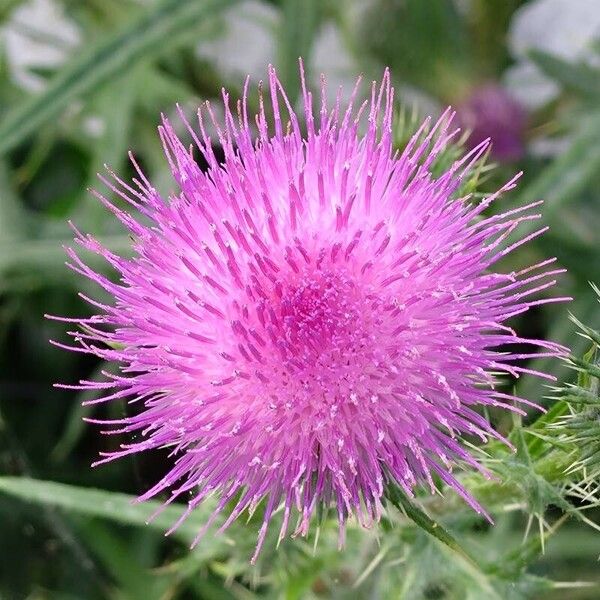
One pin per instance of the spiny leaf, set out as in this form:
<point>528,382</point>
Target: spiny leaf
<point>587,368</point>
<point>592,334</point>
<point>573,394</point>
<point>516,560</point>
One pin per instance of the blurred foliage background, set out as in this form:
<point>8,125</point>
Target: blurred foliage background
<point>84,81</point>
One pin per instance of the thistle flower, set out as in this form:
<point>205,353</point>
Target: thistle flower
<point>312,318</point>
<point>490,112</point>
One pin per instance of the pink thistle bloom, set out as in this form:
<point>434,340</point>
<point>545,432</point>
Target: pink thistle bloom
<point>312,318</point>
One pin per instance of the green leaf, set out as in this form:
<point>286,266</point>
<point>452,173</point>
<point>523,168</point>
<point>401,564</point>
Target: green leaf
<point>401,501</point>
<point>576,77</point>
<point>298,30</point>
<point>114,107</point>
<point>7,6</point>
<point>592,334</point>
<point>516,560</point>
<point>587,369</point>
<point>120,560</point>
<point>424,43</point>
<point>158,30</point>
<point>161,89</point>
<point>49,253</point>
<point>13,219</point>
<point>120,508</point>
<point>569,174</point>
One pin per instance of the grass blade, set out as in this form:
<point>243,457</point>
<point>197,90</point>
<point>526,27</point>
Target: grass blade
<point>576,77</point>
<point>298,31</point>
<point>102,504</point>
<point>157,31</point>
<point>49,253</point>
<point>569,174</point>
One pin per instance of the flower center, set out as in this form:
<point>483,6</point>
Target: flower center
<point>326,351</point>
<point>323,314</point>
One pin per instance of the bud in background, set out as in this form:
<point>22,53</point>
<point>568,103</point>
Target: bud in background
<point>489,111</point>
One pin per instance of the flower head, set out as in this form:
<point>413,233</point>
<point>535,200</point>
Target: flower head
<point>490,112</point>
<point>312,317</point>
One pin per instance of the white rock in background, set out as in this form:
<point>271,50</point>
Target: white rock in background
<point>331,57</point>
<point>247,44</point>
<point>565,28</point>
<point>529,86</point>
<point>94,126</point>
<point>38,35</point>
